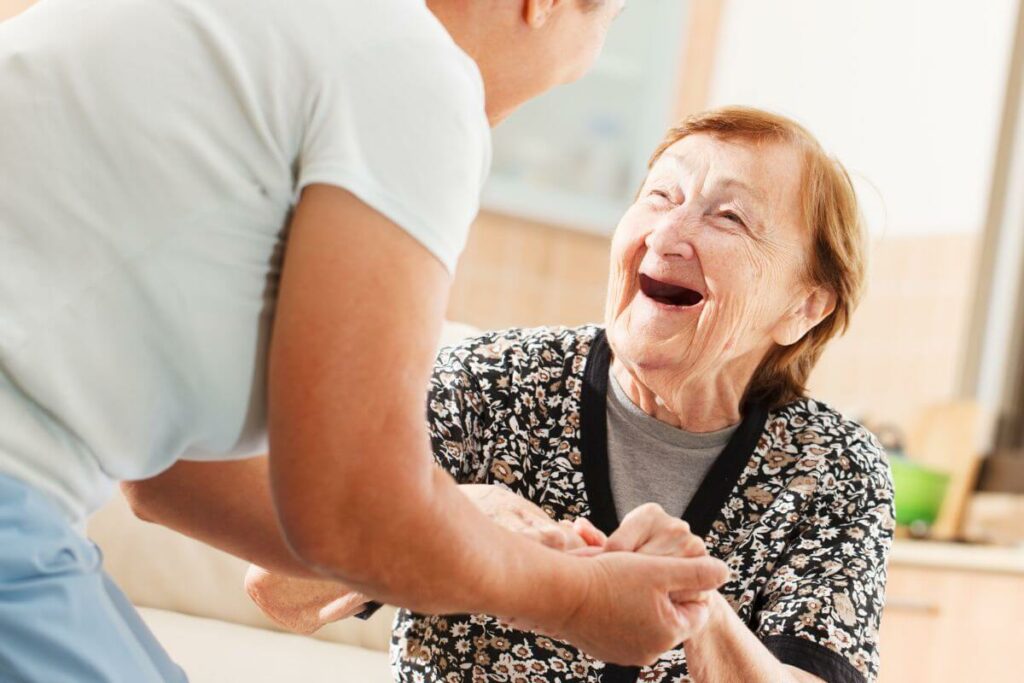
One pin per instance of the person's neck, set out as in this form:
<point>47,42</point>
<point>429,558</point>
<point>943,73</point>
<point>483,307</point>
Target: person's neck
<point>697,403</point>
<point>472,26</point>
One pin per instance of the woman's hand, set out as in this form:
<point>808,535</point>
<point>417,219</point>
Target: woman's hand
<point>301,605</point>
<point>524,517</point>
<point>633,587</point>
<point>650,530</point>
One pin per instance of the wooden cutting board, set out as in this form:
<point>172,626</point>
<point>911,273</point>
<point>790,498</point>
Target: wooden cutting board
<point>951,437</point>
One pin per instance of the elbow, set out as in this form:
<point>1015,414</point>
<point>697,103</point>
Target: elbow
<point>265,590</point>
<point>353,531</point>
<point>140,500</point>
<point>353,546</point>
<point>326,547</point>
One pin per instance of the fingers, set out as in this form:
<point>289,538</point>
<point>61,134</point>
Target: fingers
<point>636,528</point>
<point>674,540</point>
<point>695,574</point>
<point>573,540</point>
<point>561,536</point>
<point>682,597</point>
<point>344,607</point>
<point>649,529</point>
<point>589,533</point>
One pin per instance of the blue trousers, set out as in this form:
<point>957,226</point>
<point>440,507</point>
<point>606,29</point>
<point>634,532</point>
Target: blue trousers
<point>62,619</point>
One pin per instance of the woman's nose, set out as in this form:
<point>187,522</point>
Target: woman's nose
<point>672,238</point>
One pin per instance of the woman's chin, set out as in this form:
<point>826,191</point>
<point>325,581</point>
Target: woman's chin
<point>649,339</point>
<point>659,322</point>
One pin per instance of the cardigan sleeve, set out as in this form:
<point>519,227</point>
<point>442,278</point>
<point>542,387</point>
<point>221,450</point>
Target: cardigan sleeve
<point>822,604</point>
<point>457,415</point>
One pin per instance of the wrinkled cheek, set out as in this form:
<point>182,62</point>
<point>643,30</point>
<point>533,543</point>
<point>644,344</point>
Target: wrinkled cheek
<point>615,301</point>
<point>727,325</point>
<point>741,322</point>
<point>626,254</point>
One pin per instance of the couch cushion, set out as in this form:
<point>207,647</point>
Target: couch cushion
<point>157,567</point>
<point>213,651</point>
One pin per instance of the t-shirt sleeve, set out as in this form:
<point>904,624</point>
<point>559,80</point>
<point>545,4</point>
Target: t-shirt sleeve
<point>399,122</point>
<point>822,605</point>
<point>457,416</point>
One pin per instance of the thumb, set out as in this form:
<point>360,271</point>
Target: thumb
<point>693,616</point>
<point>342,608</point>
<point>695,574</point>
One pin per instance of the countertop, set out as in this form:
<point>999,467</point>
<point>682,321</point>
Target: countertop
<point>957,556</point>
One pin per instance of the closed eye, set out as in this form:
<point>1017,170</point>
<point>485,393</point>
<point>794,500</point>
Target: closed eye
<point>734,217</point>
<point>663,198</point>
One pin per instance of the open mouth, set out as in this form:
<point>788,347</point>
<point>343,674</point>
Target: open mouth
<point>669,294</point>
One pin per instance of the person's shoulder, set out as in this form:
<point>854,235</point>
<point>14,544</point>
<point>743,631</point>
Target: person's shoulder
<point>396,38</point>
<point>521,347</point>
<point>817,430</point>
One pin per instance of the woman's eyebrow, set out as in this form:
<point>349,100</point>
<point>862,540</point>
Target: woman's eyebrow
<point>743,186</point>
<point>681,166</point>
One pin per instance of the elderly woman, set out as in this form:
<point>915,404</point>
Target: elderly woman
<point>740,258</point>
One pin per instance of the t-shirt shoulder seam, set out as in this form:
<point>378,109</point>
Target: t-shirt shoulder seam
<point>379,199</point>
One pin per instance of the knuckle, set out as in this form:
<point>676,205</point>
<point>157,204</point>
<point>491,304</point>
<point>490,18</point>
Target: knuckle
<point>652,509</point>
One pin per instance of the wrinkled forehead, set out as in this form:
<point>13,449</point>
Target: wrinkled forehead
<point>768,172</point>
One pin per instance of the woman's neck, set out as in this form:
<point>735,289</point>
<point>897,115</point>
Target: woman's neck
<point>693,404</point>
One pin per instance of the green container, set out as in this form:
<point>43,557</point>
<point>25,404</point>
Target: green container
<point>919,491</point>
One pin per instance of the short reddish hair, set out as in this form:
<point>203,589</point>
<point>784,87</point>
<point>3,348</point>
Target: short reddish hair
<point>837,255</point>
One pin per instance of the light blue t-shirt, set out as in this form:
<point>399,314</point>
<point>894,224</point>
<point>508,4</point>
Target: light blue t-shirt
<point>150,155</point>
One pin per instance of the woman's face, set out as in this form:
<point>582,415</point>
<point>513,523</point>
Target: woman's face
<point>707,264</point>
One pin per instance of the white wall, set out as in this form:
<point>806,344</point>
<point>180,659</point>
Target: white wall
<point>907,93</point>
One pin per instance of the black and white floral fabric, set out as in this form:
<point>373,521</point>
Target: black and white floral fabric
<point>799,505</point>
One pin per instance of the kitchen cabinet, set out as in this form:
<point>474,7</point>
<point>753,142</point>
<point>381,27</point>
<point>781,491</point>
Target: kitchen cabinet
<point>576,156</point>
<point>953,613</point>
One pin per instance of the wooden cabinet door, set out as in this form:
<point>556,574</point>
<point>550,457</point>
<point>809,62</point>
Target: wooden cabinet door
<point>944,625</point>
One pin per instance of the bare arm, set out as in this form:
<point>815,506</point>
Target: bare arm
<point>352,480</point>
<point>224,504</point>
<point>350,489</point>
<point>305,605</point>
<point>356,489</point>
<point>726,651</point>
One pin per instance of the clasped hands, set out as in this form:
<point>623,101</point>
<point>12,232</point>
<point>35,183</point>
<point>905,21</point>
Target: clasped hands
<point>305,605</point>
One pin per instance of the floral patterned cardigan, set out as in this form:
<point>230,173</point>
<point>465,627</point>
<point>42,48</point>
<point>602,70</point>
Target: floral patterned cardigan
<point>798,504</point>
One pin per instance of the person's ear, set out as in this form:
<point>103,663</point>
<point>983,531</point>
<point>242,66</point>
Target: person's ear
<point>537,12</point>
<point>817,304</point>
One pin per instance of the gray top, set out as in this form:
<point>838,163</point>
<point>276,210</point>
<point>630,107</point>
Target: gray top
<point>653,462</point>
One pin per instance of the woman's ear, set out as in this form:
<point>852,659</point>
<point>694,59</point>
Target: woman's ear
<point>537,12</point>
<point>817,304</point>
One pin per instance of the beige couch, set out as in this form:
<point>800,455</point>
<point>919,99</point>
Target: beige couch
<point>192,597</point>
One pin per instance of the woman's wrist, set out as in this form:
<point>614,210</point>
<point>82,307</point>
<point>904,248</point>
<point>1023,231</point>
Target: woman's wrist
<point>718,614</point>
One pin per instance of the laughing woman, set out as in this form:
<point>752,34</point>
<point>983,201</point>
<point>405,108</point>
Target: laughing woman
<point>740,258</point>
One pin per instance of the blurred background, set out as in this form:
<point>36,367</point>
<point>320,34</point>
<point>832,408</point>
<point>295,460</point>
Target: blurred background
<point>922,101</point>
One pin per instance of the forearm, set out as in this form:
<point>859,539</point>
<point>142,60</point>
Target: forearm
<point>304,605</point>
<point>224,504</point>
<point>228,505</point>
<point>438,552</point>
<point>726,651</point>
